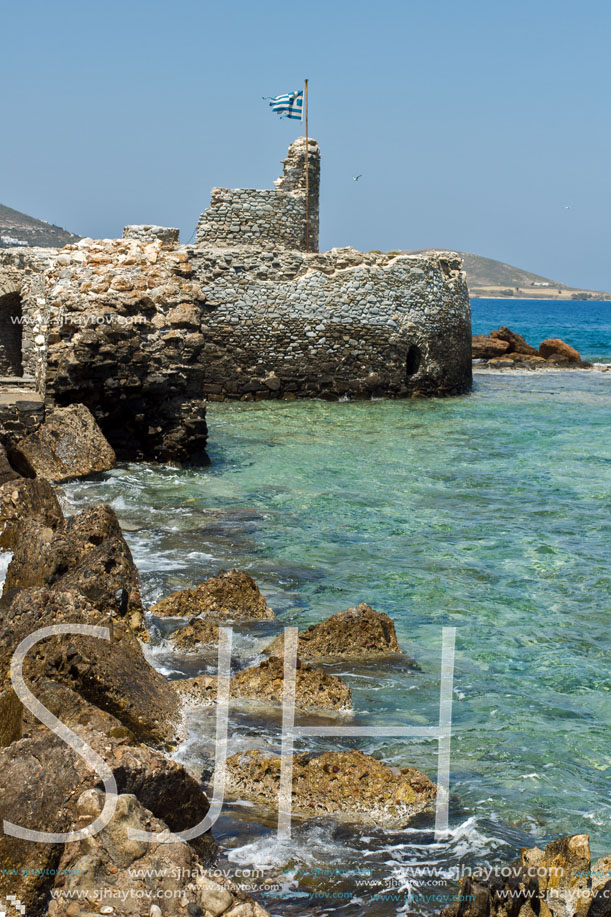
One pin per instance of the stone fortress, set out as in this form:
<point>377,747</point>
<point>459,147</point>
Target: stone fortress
<point>144,330</point>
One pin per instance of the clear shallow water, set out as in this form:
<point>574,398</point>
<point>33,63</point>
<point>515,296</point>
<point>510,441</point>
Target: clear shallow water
<point>583,324</point>
<point>489,512</point>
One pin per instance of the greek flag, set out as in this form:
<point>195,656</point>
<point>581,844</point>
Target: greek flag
<point>289,105</point>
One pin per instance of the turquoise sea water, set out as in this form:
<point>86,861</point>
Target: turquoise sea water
<point>489,512</point>
<point>585,325</point>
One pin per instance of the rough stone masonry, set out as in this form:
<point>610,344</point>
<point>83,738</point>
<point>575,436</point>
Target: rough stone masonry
<point>144,330</point>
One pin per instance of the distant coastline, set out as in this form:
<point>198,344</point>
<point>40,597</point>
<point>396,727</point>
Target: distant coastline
<point>546,294</point>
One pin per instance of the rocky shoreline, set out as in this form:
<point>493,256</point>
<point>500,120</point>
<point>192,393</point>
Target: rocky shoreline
<point>79,569</point>
<point>505,349</point>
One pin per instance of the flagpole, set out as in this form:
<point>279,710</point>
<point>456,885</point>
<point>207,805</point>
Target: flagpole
<point>307,173</point>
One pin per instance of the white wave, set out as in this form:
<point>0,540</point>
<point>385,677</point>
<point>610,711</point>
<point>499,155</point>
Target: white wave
<point>5,559</point>
<point>310,845</point>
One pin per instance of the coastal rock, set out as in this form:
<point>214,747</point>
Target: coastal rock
<point>86,552</point>
<point>7,472</point>
<point>112,675</point>
<point>26,499</point>
<point>601,873</point>
<point>196,633</point>
<point>41,780</point>
<point>200,691</point>
<point>484,348</point>
<point>516,342</point>
<point>349,785</point>
<point>314,688</point>
<point>232,595</point>
<point>69,444</point>
<point>140,875</point>
<point>517,359</point>
<point>72,709</point>
<point>359,631</point>
<point>556,349</point>
<point>554,882</point>
<point>11,715</point>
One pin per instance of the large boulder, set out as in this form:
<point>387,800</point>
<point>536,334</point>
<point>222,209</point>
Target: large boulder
<point>349,785</point>
<point>516,342</point>
<point>140,878</point>
<point>314,688</point>
<point>110,674</point>
<point>359,631</point>
<point>557,350</point>
<point>483,348</point>
<point>555,882</point>
<point>22,500</point>
<point>232,595</point>
<point>86,553</point>
<point>41,780</point>
<point>69,444</point>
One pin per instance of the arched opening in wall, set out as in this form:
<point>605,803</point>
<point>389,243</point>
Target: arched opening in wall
<point>11,334</point>
<point>412,360</point>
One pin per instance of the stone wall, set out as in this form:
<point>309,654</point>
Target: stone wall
<point>22,296</point>
<point>268,220</point>
<point>10,335</point>
<point>125,339</point>
<point>333,324</point>
<point>146,233</point>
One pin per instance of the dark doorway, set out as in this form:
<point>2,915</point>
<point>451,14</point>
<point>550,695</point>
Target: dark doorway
<point>10,335</point>
<point>412,360</point>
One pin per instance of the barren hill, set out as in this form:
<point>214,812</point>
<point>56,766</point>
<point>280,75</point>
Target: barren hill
<point>18,229</point>
<point>487,277</point>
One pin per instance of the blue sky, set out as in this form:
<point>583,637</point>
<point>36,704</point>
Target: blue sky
<point>474,123</point>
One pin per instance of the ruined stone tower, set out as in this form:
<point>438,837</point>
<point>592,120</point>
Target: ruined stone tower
<point>269,219</point>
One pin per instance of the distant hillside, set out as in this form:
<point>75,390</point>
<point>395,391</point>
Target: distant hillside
<point>495,279</point>
<point>487,277</point>
<point>17,229</point>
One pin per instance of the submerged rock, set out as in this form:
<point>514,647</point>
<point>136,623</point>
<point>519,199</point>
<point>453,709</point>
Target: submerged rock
<point>26,499</point>
<point>348,785</point>
<point>200,691</point>
<point>69,444</point>
<point>232,594</point>
<point>198,632</point>
<point>86,553</point>
<point>359,631</point>
<point>556,882</point>
<point>314,688</point>
<point>557,350</point>
<point>140,877</point>
<point>112,675</point>
<point>41,780</point>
